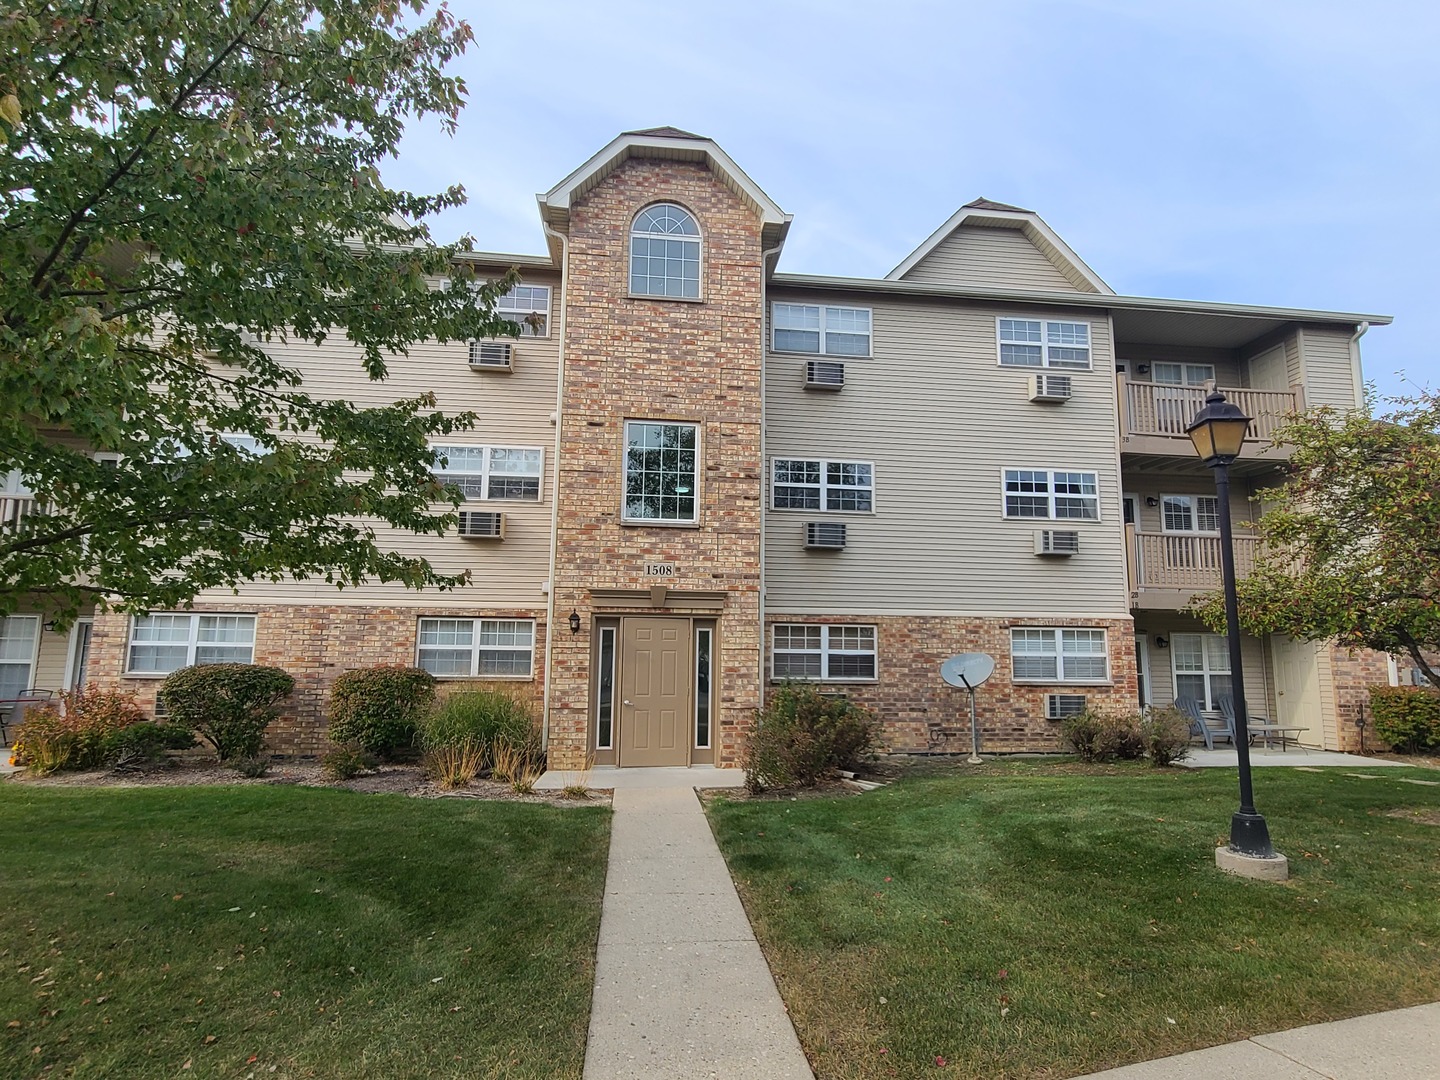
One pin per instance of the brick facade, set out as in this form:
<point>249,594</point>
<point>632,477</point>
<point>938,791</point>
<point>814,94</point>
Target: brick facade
<point>314,644</point>
<point>654,359</point>
<point>1354,672</point>
<point>919,712</point>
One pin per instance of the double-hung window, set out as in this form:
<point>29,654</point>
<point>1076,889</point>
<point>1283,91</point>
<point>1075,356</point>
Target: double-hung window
<point>1202,667</point>
<point>1044,343</point>
<point>1051,493</point>
<point>823,652</point>
<point>1059,656</point>
<point>19,635</point>
<point>160,644</point>
<point>1190,513</point>
<point>528,307</point>
<point>491,472</point>
<point>823,330</point>
<point>476,647</point>
<point>1171,374</point>
<point>661,472</point>
<point>808,484</point>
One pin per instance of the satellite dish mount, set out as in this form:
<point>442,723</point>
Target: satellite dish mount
<point>969,670</point>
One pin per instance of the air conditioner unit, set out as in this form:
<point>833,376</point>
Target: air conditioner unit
<point>824,375</point>
<point>482,525</point>
<point>491,355</point>
<point>1044,387</point>
<point>1059,706</point>
<point>1056,542</point>
<point>825,535</point>
<point>1417,677</point>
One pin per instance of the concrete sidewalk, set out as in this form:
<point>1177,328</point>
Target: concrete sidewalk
<point>681,989</point>
<point>1399,1045</point>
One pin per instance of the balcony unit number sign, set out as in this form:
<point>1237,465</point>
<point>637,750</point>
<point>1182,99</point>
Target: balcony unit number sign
<point>659,569</point>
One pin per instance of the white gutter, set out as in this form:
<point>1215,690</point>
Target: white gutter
<point>555,488</point>
<point>1355,361</point>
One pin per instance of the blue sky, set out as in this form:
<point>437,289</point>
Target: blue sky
<point>1272,152</point>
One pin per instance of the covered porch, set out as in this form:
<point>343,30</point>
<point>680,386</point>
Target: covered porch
<point>38,661</point>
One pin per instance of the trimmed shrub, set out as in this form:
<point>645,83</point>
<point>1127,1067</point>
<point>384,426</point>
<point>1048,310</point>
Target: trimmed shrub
<point>229,705</point>
<point>71,732</point>
<point>379,707</point>
<point>144,743</point>
<point>348,761</point>
<point>481,718</point>
<point>1407,717</point>
<point>802,736</point>
<point>1098,736</point>
<point>1166,734</point>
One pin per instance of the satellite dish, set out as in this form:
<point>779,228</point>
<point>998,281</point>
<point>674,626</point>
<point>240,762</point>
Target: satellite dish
<point>968,670</point>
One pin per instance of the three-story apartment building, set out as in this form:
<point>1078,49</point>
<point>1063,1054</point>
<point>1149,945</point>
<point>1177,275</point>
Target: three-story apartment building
<point>695,476</point>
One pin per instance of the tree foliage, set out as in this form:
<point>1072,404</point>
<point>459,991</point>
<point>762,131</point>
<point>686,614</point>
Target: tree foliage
<point>1353,540</point>
<point>184,187</point>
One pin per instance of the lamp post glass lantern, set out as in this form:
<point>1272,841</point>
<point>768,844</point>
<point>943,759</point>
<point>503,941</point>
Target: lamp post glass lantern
<point>1218,432</point>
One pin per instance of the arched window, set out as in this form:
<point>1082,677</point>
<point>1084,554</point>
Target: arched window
<point>665,253</point>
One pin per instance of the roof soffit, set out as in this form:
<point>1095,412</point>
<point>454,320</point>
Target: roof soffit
<point>993,215</point>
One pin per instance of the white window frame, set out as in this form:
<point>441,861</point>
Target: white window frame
<point>826,651</point>
<point>1049,494</point>
<point>477,649</point>
<point>824,314</point>
<point>193,643</point>
<point>824,488</point>
<point>697,238</point>
<point>1207,671</point>
<point>1045,344</point>
<point>31,666</point>
<point>1186,369</point>
<point>513,309</point>
<point>1058,653</point>
<point>699,452</point>
<point>1192,504</point>
<point>487,472</point>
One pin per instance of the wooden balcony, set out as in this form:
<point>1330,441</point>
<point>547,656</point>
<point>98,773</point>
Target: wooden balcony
<point>1153,416</point>
<point>1168,569</point>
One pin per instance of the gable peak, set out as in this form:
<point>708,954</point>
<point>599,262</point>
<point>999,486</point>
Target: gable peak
<point>983,203</point>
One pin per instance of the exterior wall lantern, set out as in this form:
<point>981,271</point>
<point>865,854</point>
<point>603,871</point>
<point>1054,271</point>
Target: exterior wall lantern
<point>574,621</point>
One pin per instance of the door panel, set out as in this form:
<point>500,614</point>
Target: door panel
<point>655,692</point>
<point>1297,688</point>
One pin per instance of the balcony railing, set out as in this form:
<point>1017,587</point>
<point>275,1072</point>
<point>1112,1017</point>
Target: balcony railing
<point>1183,562</point>
<point>14,509</point>
<point>1158,409</point>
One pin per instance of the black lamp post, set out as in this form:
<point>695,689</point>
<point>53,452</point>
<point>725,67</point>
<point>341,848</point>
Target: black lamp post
<point>1218,431</point>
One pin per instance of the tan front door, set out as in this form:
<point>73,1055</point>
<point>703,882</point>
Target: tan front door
<point>1297,688</point>
<point>655,692</point>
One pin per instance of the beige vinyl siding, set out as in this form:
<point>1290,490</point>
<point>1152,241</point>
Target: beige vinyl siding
<point>514,409</point>
<point>1150,518</point>
<point>1329,367</point>
<point>995,258</point>
<point>49,673</point>
<point>941,420</point>
<point>1329,719</point>
<point>1294,365</point>
<point>1254,653</point>
<point>1227,366</point>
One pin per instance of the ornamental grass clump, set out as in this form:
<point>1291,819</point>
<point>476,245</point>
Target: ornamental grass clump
<point>379,708</point>
<point>802,737</point>
<point>228,705</point>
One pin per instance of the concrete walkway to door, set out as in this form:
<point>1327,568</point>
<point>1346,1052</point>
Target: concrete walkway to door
<point>681,989</point>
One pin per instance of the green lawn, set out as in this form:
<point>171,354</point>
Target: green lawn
<point>292,932</point>
<point>1033,920</point>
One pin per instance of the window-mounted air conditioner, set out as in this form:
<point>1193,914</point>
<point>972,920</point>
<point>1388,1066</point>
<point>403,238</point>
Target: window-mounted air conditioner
<point>1057,542</point>
<point>1059,706</point>
<point>824,375</point>
<point>1047,387</point>
<point>482,525</point>
<point>491,355</point>
<point>825,535</point>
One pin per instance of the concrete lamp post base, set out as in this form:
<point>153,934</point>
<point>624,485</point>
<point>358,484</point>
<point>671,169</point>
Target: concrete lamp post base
<point>1274,868</point>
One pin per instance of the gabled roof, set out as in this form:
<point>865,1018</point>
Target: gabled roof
<point>671,144</point>
<point>985,213</point>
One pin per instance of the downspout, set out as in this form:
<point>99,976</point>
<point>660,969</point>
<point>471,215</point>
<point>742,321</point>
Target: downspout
<point>555,488</point>
<point>765,257</point>
<point>1355,361</point>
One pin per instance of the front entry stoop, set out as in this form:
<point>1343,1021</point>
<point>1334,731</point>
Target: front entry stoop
<point>681,988</point>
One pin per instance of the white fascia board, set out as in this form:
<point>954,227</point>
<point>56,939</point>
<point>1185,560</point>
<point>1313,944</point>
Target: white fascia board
<point>1110,301</point>
<point>1024,222</point>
